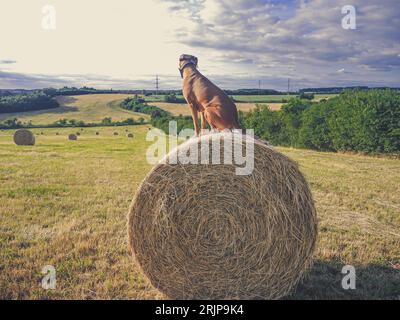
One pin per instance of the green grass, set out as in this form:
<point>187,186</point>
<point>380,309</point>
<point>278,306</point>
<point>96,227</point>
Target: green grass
<point>318,97</point>
<point>262,98</point>
<point>64,203</point>
<point>88,108</point>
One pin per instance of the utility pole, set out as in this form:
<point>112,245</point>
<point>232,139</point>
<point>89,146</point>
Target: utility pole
<point>259,87</point>
<point>288,86</point>
<point>157,84</point>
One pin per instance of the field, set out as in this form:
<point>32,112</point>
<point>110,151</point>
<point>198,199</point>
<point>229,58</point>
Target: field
<point>245,103</point>
<point>177,109</point>
<point>250,98</point>
<point>263,98</point>
<point>318,97</point>
<point>88,108</point>
<point>64,204</point>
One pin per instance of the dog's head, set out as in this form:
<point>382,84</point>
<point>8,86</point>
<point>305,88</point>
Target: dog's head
<point>185,60</point>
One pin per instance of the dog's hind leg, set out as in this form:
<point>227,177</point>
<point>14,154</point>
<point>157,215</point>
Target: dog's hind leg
<point>195,117</point>
<point>218,122</point>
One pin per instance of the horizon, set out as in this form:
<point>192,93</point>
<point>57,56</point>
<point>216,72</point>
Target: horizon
<point>125,44</point>
<point>225,89</point>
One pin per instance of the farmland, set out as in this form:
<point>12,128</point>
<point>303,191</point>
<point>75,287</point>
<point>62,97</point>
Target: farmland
<point>249,98</point>
<point>177,109</point>
<point>88,108</point>
<point>95,107</point>
<point>64,203</point>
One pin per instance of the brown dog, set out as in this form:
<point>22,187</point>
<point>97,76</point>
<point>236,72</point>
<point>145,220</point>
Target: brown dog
<point>206,98</point>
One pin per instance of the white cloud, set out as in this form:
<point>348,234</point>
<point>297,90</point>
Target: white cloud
<point>234,40</point>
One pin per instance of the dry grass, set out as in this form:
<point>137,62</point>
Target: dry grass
<point>65,204</point>
<point>88,108</point>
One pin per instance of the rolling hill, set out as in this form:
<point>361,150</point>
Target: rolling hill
<point>88,108</point>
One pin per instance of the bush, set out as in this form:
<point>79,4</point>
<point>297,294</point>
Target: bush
<point>366,121</point>
<point>267,124</point>
<point>172,98</point>
<point>138,104</point>
<point>314,132</point>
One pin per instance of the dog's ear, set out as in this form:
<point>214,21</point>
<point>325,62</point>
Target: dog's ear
<point>196,61</point>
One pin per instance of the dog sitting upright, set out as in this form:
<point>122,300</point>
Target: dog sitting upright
<point>206,98</point>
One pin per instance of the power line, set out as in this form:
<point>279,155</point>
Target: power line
<point>157,84</point>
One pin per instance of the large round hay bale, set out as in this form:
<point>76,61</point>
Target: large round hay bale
<point>201,231</point>
<point>72,137</point>
<point>24,137</point>
<point>116,133</point>
<point>78,133</point>
<point>97,133</point>
<point>130,135</point>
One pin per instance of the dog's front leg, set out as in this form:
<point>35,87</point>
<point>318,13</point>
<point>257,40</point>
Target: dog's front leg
<point>195,116</point>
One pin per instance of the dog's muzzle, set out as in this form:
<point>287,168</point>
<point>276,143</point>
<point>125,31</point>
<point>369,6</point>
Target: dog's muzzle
<point>189,60</point>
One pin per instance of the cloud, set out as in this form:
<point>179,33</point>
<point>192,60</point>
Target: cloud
<point>307,41</point>
<point>238,42</point>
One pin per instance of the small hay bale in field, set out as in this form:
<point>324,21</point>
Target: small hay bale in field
<point>23,137</point>
<point>72,137</point>
<point>97,133</point>
<point>116,133</point>
<point>130,135</point>
<point>78,133</point>
<point>57,134</point>
<point>200,231</point>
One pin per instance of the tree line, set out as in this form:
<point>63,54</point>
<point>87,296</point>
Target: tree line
<point>362,121</point>
<point>27,102</point>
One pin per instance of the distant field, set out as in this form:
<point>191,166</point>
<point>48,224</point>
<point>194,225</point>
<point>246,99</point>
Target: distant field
<point>64,203</point>
<point>177,109</point>
<point>263,98</point>
<point>319,97</point>
<point>88,108</point>
<point>250,98</point>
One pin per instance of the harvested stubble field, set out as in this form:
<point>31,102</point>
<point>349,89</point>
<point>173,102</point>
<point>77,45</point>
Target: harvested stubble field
<point>90,108</point>
<point>64,203</point>
<point>177,109</point>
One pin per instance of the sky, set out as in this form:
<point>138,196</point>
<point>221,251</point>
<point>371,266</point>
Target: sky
<point>124,44</point>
